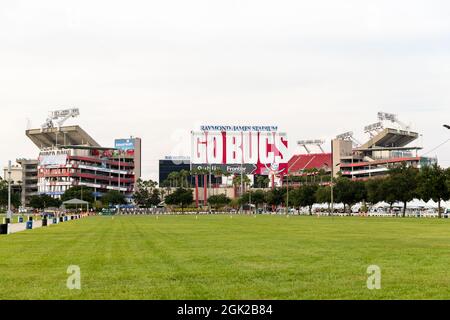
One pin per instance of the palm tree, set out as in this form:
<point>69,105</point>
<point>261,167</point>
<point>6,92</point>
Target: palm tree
<point>238,182</point>
<point>183,175</point>
<point>173,179</point>
<point>217,173</point>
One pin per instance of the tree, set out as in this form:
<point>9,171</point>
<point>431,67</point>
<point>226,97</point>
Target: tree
<point>155,198</point>
<point>323,195</point>
<point>374,190</point>
<point>142,194</point>
<point>183,176</point>
<point>349,192</point>
<point>262,182</point>
<point>15,197</point>
<point>79,192</point>
<point>433,184</point>
<point>112,198</point>
<point>173,179</point>
<point>403,186</point>
<point>219,201</point>
<point>44,201</point>
<point>237,181</point>
<point>146,194</point>
<point>257,198</point>
<point>276,197</point>
<point>181,197</point>
<point>305,196</point>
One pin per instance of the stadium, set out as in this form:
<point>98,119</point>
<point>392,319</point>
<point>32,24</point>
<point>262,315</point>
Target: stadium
<point>198,253</point>
<point>69,156</point>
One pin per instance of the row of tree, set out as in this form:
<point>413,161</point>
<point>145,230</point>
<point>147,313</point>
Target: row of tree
<point>403,184</point>
<point>110,198</point>
<point>15,197</point>
<point>180,179</point>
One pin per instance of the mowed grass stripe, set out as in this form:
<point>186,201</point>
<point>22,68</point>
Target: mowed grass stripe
<point>219,257</point>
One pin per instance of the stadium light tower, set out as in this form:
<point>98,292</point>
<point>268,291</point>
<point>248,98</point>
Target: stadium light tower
<point>60,117</point>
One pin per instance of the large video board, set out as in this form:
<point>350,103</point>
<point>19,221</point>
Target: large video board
<point>252,149</point>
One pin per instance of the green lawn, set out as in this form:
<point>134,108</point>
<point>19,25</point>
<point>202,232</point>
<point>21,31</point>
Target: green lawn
<point>218,257</point>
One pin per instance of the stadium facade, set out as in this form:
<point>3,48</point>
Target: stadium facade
<point>69,156</point>
<point>389,145</point>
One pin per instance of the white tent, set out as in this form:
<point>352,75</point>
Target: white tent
<point>416,204</point>
<point>339,206</point>
<point>432,204</point>
<point>320,206</point>
<point>381,205</point>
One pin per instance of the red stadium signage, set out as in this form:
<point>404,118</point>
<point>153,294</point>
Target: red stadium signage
<point>264,151</point>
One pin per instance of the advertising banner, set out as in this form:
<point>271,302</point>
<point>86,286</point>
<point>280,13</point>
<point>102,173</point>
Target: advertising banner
<point>125,146</point>
<point>257,152</point>
<point>53,160</point>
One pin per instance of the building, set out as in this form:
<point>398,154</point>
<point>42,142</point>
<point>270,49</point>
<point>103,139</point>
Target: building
<point>16,174</point>
<point>303,165</point>
<point>29,188</point>
<point>389,146</point>
<point>172,164</point>
<point>16,178</point>
<point>70,157</point>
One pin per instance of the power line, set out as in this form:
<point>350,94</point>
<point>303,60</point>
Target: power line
<point>440,145</point>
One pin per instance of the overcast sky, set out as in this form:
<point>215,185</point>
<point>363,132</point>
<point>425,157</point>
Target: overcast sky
<point>158,69</point>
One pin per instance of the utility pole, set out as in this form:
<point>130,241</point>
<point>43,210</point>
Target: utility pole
<point>120,192</point>
<point>287,193</point>
<point>332,194</point>
<point>250,198</point>
<point>9,213</point>
<point>242,187</point>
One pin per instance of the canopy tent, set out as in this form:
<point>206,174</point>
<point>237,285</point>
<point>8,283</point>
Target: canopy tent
<point>77,202</point>
<point>381,205</point>
<point>416,204</point>
<point>431,204</point>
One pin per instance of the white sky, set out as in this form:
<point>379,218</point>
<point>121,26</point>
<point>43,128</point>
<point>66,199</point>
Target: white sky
<point>158,69</point>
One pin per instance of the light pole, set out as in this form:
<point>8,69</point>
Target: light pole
<point>287,193</point>
<point>242,185</point>
<point>332,188</point>
<point>9,213</point>
<point>118,181</point>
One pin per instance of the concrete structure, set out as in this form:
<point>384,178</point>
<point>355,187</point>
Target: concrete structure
<point>29,186</point>
<point>16,174</point>
<point>387,147</point>
<point>70,157</point>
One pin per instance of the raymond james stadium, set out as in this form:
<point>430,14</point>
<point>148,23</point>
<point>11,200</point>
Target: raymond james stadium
<point>253,212</point>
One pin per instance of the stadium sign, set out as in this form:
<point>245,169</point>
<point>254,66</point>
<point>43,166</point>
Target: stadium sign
<point>239,128</point>
<point>259,152</point>
<point>124,147</point>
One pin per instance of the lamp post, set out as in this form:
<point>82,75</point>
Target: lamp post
<point>332,188</point>
<point>9,213</point>
<point>287,193</point>
<point>120,191</point>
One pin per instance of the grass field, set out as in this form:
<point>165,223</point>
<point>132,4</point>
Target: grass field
<point>219,257</point>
